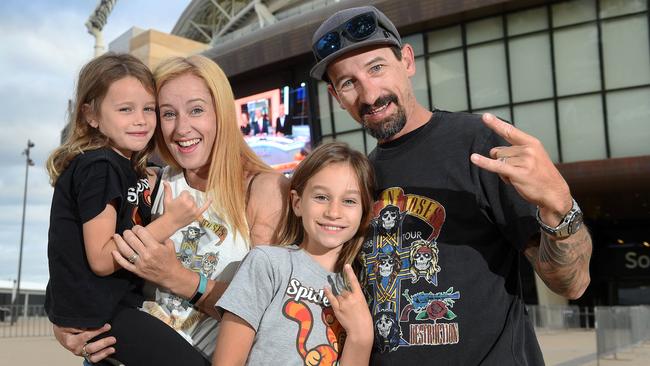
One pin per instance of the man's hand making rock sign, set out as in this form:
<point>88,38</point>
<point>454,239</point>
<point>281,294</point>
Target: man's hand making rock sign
<point>562,262</point>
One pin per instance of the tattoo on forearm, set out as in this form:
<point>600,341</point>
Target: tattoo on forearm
<point>563,264</point>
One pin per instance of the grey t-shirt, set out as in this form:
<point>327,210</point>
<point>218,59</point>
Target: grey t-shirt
<point>279,292</point>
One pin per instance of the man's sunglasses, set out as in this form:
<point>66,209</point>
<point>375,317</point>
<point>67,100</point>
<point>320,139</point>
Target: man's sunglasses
<point>356,29</point>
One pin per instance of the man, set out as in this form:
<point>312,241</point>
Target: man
<point>455,208</point>
<point>260,124</point>
<point>283,123</point>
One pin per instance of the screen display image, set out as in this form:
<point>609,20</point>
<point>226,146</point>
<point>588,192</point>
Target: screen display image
<point>275,124</point>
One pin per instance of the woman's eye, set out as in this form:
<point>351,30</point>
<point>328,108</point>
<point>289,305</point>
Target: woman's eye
<point>168,115</point>
<point>350,202</point>
<point>149,109</point>
<point>196,111</point>
<point>320,197</point>
<point>125,109</point>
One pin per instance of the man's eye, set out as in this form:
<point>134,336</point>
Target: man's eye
<point>376,68</point>
<point>346,84</point>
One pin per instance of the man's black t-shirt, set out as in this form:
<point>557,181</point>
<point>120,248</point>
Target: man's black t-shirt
<point>75,296</point>
<point>442,256</point>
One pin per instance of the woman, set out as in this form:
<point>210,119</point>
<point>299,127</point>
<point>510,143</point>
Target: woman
<point>198,136</point>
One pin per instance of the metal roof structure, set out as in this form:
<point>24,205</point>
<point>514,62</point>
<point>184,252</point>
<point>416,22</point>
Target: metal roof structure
<point>218,21</point>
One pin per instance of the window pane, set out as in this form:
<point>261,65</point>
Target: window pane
<point>447,80</point>
<point>502,113</point>
<point>582,130</point>
<point>415,40</point>
<point>538,119</point>
<point>419,82</point>
<point>610,8</point>
<point>326,140</point>
<point>354,139</point>
<point>530,68</point>
<point>324,109</point>
<point>342,120</point>
<point>371,142</point>
<point>527,21</point>
<point>484,30</point>
<point>572,12</point>
<point>628,119</point>
<point>444,39</point>
<point>487,75</point>
<point>627,62</point>
<point>576,60</point>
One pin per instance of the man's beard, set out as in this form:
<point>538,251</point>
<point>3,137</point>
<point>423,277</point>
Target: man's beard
<point>389,126</point>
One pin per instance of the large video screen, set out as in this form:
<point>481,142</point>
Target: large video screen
<point>275,124</point>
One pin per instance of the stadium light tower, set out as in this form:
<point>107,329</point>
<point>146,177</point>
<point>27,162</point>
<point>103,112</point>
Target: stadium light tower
<point>28,162</point>
<point>96,22</point>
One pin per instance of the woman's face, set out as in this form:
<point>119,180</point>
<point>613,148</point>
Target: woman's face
<point>188,122</point>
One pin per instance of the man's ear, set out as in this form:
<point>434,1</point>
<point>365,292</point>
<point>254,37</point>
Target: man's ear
<point>332,91</point>
<point>408,59</point>
<point>89,115</point>
<point>295,203</point>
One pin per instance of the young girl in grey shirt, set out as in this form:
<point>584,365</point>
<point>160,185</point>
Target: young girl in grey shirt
<point>299,302</point>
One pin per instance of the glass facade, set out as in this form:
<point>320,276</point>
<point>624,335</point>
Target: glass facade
<point>575,74</point>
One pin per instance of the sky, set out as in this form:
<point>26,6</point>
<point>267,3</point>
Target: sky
<point>43,45</point>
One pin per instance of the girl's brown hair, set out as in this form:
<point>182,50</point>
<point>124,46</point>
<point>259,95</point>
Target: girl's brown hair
<point>95,78</point>
<point>231,160</point>
<point>291,228</point>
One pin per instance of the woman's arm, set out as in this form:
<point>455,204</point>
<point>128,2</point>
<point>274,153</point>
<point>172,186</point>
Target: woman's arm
<point>265,206</point>
<point>160,265</point>
<point>157,263</point>
<point>234,341</point>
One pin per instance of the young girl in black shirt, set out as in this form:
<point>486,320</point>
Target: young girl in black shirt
<point>101,188</point>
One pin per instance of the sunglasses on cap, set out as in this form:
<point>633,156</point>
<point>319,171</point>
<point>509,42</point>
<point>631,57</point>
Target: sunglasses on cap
<point>356,29</point>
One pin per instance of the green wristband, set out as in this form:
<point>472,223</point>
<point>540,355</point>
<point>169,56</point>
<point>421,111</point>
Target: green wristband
<point>200,290</point>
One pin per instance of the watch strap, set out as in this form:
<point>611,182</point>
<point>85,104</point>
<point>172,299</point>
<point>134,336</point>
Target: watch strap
<point>569,224</point>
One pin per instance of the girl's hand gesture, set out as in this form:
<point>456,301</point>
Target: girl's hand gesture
<point>182,210</point>
<point>351,310</point>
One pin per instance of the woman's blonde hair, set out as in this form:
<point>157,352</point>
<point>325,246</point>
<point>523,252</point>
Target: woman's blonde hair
<point>231,159</point>
<point>95,78</point>
<point>291,228</point>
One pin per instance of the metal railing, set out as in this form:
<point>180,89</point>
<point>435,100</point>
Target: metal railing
<point>555,317</point>
<point>31,321</point>
<point>621,327</point>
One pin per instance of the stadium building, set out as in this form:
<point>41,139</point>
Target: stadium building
<point>575,74</point>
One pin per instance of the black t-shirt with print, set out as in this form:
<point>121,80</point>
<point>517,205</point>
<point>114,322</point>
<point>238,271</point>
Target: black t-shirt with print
<point>442,255</point>
<point>75,296</point>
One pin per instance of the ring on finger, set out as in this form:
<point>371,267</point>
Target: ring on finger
<point>134,257</point>
<point>84,352</point>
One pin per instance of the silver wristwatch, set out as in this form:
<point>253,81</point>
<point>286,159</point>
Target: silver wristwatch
<point>569,225</point>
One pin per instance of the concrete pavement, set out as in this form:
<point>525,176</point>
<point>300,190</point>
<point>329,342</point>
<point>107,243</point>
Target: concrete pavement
<point>560,348</point>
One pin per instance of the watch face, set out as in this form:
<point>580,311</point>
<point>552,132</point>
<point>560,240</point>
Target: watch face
<point>575,222</point>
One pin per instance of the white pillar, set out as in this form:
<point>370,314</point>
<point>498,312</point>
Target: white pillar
<point>547,297</point>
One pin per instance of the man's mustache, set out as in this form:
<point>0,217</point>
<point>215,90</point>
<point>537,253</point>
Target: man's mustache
<point>380,102</point>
